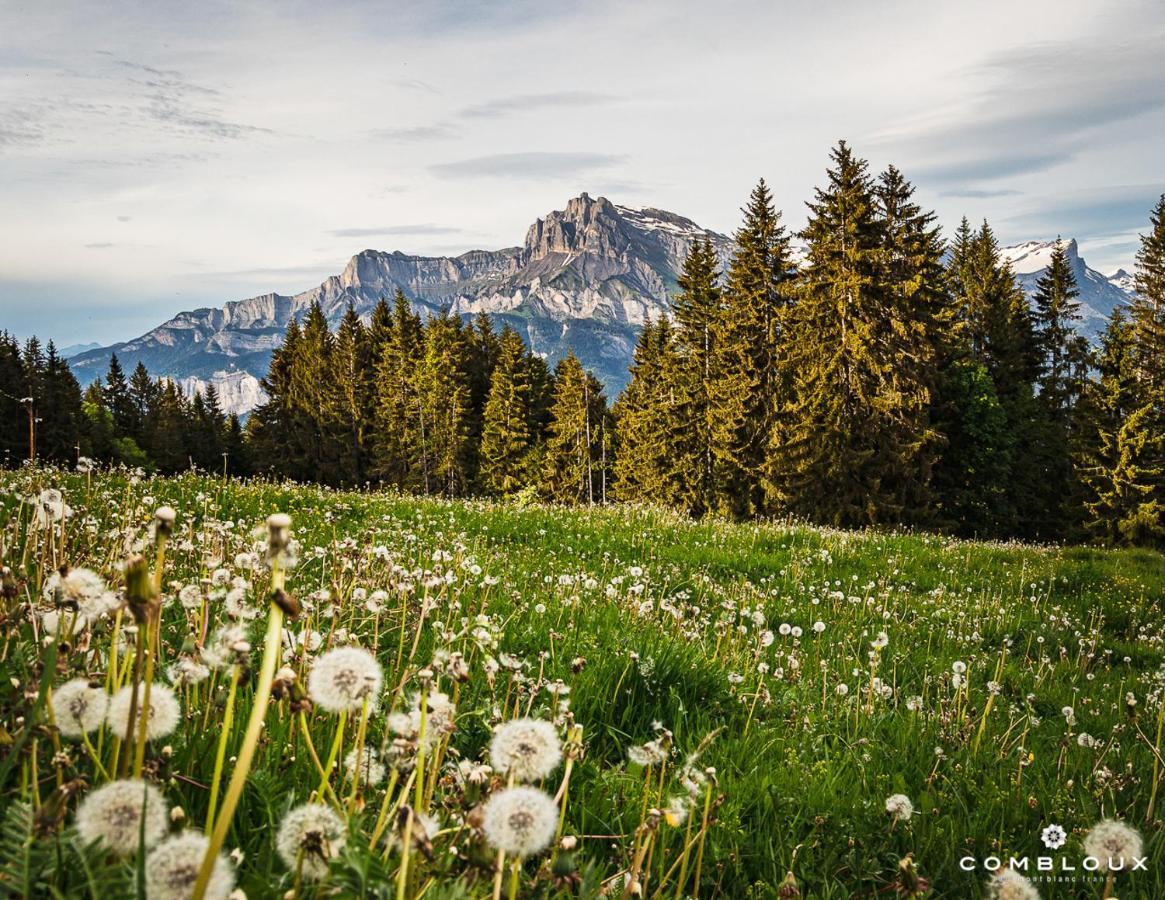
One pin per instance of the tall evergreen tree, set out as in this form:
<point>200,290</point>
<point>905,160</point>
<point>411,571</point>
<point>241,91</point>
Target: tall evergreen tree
<point>575,462</point>
<point>506,438</point>
<point>750,348</point>
<point>403,446</point>
<point>446,400</point>
<point>699,317</point>
<point>350,398</point>
<point>855,426</point>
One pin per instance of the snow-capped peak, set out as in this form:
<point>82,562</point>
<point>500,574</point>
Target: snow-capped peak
<point>1034,256</point>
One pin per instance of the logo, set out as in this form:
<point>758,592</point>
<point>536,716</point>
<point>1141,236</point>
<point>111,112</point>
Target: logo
<point>1054,837</point>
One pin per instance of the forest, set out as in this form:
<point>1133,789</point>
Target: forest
<point>890,377</point>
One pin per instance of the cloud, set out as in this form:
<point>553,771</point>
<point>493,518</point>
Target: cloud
<point>417,133</point>
<point>100,245</point>
<point>527,165</point>
<point>519,103</point>
<point>1039,106</point>
<point>980,193</point>
<point>393,230</point>
<point>1094,213</point>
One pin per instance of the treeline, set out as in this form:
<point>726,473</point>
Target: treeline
<point>885,378</point>
<point>139,421</point>
<point>436,406</point>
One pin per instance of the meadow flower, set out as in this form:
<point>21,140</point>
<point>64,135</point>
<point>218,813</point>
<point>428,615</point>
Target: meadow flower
<point>1114,844</point>
<point>520,821</point>
<point>187,670</point>
<point>190,596</point>
<point>51,507</point>
<point>423,830</point>
<point>310,836</point>
<point>900,807</point>
<point>80,589</point>
<point>225,647</point>
<point>1010,885</point>
<point>172,869</point>
<point>528,749</point>
<point>79,708</point>
<point>342,678</point>
<point>371,769</point>
<point>163,715</point>
<point>880,642</point>
<point>440,718</point>
<point>113,816</point>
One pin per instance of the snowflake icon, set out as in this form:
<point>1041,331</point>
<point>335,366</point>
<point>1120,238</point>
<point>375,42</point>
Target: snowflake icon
<point>1054,837</point>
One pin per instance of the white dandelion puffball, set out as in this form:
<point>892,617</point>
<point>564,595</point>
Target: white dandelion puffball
<point>78,708</point>
<point>315,833</point>
<point>424,829</point>
<point>112,816</point>
<point>83,589</point>
<point>372,770</point>
<point>164,711</point>
<point>1114,844</point>
<point>1010,885</point>
<point>342,678</point>
<point>528,749</point>
<point>899,806</point>
<point>520,821</point>
<point>172,869</point>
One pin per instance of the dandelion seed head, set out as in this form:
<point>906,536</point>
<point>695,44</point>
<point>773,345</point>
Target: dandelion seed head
<point>172,869</point>
<point>78,708</point>
<point>342,678</point>
<point>113,816</point>
<point>899,806</point>
<point>372,770</point>
<point>1114,844</point>
<point>520,821</point>
<point>163,714</point>
<point>528,749</point>
<point>1010,885</point>
<point>310,835</point>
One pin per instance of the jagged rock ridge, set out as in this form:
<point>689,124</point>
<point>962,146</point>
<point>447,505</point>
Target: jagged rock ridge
<point>587,277</point>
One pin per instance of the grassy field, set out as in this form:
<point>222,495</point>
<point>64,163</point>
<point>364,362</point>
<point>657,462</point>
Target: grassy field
<point>748,696</point>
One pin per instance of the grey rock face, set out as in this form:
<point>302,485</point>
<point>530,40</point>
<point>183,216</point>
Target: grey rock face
<point>587,277</point>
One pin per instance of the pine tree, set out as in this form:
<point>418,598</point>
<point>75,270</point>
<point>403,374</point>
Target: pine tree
<point>648,423</point>
<point>444,388</point>
<point>506,439</point>
<point>269,426</point>
<point>235,448</point>
<point>349,402</point>
<point>402,448</point>
<point>855,426</point>
<point>13,414</point>
<point>750,346</point>
<point>574,464</point>
<point>1063,360</point>
<point>1115,450</point>
<point>59,437</point>
<point>312,439</point>
<point>144,394</point>
<point>126,418</point>
<point>698,313</point>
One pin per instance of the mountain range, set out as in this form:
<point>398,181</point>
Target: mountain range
<point>586,278</point>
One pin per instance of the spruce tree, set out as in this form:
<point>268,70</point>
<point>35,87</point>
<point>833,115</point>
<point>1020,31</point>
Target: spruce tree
<point>699,317</point>
<point>349,401</point>
<point>403,445</point>
<point>444,388</point>
<point>1063,360</point>
<point>750,346</point>
<point>269,426</point>
<point>1115,449</point>
<point>506,439</point>
<point>574,462</point>
<point>854,426</point>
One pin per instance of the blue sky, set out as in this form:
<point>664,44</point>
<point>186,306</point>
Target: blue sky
<point>156,157</point>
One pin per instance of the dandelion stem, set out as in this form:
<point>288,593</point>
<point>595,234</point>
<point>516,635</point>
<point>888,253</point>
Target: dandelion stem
<point>333,753</point>
<point>271,648</point>
<point>220,754</point>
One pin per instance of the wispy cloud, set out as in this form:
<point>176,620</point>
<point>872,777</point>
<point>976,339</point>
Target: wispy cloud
<point>520,103</point>
<point>425,228</point>
<point>410,134</point>
<point>980,193</point>
<point>527,165</point>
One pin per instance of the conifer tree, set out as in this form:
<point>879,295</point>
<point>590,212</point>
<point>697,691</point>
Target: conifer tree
<point>1063,360</point>
<point>648,422</point>
<point>854,426</point>
<point>13,415</point>
<point>574,464</point>
<point>699,315</point>
<point>269,427</point>
<point>126,417</point>
<point>350,401</point>
<point>750,348</point>
<point>506,438</point>
<point>444,387</point>
<point>1115,449</point>
<point>403,446</point>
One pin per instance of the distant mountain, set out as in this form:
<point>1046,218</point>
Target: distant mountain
<point>1099,294</point>
<point>586,277</point>
<point>76,349</point>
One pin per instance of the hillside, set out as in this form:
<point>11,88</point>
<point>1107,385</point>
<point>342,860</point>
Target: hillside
<point>1000,688</point>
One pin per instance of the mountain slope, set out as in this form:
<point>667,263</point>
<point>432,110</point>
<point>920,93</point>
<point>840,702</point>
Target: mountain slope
<point>1099,294</point>
<point>587,277</point>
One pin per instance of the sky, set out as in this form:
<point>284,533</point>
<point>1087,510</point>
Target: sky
<point>158,156</point>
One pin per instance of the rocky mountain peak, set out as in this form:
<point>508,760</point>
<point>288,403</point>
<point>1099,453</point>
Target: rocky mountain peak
<point>586,225</point>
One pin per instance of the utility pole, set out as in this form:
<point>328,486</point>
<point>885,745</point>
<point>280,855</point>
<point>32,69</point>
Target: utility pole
<point>30,405</point>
